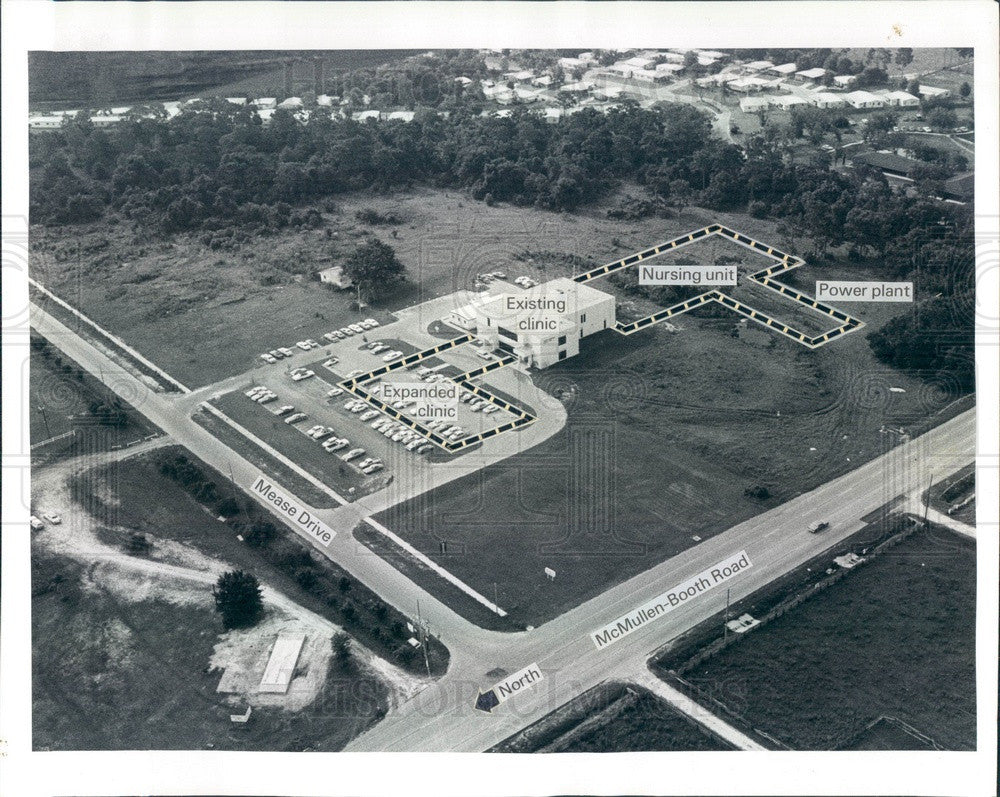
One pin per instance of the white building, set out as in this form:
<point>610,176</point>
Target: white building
<point>811,74</point>
<point>933,91</point>
<point>544,325</point>
<point>827,99</point>
<point>788,100</point>
<point>864,99</point>
<point>754,104</point>
<point>900,99</point>
<point>783,69</point>
<point>334,275</point>
<point>758,66</point>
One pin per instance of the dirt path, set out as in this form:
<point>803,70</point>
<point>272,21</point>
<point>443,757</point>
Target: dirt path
<point>180,574</point>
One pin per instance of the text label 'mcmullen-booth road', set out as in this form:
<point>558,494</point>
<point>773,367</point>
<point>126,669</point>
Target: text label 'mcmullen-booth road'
<point>300,516</point>
<point>671,599</point>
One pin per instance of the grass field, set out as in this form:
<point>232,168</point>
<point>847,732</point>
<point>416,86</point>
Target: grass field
<point>60,396</point>
<point>665,432</point>
<point>148,502</point>
<point>896,638</point>
<point>274,468</point>
<point>109,675</point>
<point>611,718</point>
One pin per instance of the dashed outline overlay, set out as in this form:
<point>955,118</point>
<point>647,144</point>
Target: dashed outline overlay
<point>354,386</point>
<point>765,277</point>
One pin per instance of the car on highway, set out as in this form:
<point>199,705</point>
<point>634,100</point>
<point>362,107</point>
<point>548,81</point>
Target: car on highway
<point>818,526</point>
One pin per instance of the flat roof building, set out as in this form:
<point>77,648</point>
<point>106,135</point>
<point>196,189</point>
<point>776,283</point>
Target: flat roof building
<point>544,324</point>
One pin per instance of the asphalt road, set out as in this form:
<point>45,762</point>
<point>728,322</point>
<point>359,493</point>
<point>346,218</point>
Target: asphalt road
<point>442,717</point>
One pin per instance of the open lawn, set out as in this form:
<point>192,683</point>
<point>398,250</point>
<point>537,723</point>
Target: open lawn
<point>611,718</point>
<point>204,314</point>
<point>60,399</point>
<point>110,675</point>
<point>665,432</point>
<point>896,638</point>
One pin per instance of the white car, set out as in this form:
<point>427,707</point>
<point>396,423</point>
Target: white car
<point>298,416</point>
<point>336,391</point>
<point>356,328</point>
<point>268,358</point>
<point>35,523</point>
<point>52,517</point>
<point>329,336</point>
<point>346,331</point>
<point>354,453</point>
<point>355,373</point>
<point>486,354</point>
<point>303,345</point>
<point>267,398</point>
<point>325,431</point>
<point>413,444</point>
<point>398,436</point>
<point>378,348</point>
<point>312,429</point>
<point>424,448</point>
<point>373,468</point>
<point>276,354</point>
<point>286,351</point>
<point>392,355</point>
<point>284,410</point>
<point>359,407</point>
<point>369,323</point>
<point>337,444</point>
<point>423,370</point>
<point>367,416</point>
<point>490,409</point>
<point>312,344</point>
<point>298,376</point>
<point>331,362</point>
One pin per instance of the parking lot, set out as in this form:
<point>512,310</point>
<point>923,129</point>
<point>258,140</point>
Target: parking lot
<point>297,405</point>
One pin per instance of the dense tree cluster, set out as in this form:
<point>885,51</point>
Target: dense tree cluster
<point>217,170</point>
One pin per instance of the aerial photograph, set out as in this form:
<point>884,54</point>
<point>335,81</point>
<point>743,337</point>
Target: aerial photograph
<point>503,400</point>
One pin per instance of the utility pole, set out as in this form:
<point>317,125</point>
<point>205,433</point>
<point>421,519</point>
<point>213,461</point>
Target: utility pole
<point>725,624</point>
<point>927,503</point>
<point>496,603</point>
<point>45,419</point>
<point>423,640</point>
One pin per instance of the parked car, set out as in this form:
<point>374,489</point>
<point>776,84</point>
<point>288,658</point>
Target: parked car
<point>367,416</point>
<point>276,354</point>
<point>284,410</point>
<point>268,358</point>
<point>295,418</point>
<point>356,328</point>
<point>52,517</point>
<point>267,398</point>
<point>35,523</point>
<point>490,409</point>
<point>373,468</point>
<point>346,331</point>
<point>334,391</point>
<point>331,362</point>
<point>329,336</point>
<point>392,355</point>
<point>302,345</point>
<point>339,443</point>
<point>355,373</point>
<point>369,323</point>
<point>298,376</point>
<point>354,453</point>
<point>424,448</point>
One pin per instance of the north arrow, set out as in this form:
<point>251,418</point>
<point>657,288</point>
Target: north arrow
<point>487,701</point>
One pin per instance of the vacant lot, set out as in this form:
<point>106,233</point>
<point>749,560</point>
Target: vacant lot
<point>203,314</point>
<point>895,638</point>
<point>60,397</point>
<point>665,432</point>
<point>611,718</point>
<point>110,675</point>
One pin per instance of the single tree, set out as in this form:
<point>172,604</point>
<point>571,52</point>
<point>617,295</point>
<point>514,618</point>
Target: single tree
<point>964,90</point>
<point>342,649</point>
<point>374,267</point>
<point>238,599</point>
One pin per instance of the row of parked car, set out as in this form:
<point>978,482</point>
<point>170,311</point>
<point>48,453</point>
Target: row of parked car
<point>393,430</point>
<point>330,440</point>
<point>350,329</point>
